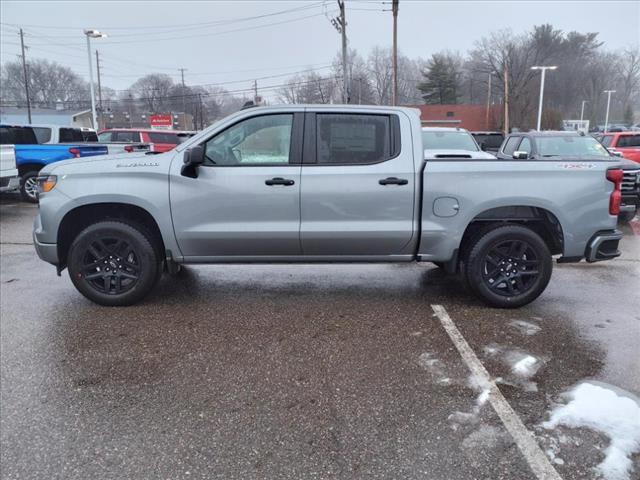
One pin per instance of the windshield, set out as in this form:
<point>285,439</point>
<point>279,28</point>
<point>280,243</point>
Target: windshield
<point>448,140</point>
<point>569,145</point>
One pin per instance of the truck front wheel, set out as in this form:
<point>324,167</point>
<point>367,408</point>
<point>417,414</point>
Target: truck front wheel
<point>29,187</point>
<point>113,263</point>
<point>507,266</point>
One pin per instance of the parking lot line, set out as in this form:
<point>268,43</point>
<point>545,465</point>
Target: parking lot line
<point>533,454</point>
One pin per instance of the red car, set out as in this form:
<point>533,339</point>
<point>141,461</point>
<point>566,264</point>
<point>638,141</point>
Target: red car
<point>162,140</point>
<point>627,143</point>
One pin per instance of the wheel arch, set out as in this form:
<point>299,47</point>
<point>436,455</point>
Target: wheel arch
<point>541,220</point>
<point>78,218</point>
<point>29,167</point>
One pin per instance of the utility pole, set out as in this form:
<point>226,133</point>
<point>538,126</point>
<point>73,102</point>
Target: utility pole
<point>488,102</point>
<point>506,100</point>
<point>100,115</point>
<point>184,92</point>
<point>26,77</point>
<point>255,91</point>
<point>341,25</point>
<point>606,120</point>
<point>394,8</point>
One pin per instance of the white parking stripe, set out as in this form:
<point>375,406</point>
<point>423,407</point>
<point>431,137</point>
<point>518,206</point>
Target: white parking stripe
<point>527,444</point>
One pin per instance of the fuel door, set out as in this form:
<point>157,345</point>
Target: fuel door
<point>446,206</point>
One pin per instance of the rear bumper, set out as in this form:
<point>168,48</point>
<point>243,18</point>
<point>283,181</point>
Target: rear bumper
<point>603,246</point>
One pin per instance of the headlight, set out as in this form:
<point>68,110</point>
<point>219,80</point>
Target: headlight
<point>46,184</point>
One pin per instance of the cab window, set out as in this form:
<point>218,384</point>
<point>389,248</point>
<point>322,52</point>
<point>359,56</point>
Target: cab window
<point>264,140</point>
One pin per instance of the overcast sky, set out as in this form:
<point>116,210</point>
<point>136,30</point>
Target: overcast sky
<point>216,42</point>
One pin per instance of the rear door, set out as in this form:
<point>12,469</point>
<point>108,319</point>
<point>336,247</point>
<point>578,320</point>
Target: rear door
<point>358,184</point>
<point>245,201</point>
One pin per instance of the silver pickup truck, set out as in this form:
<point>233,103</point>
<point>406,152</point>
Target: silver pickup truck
<point>323,184</point>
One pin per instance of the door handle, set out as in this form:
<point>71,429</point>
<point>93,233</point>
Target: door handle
<point>279,181</point>
<point>393,181</point>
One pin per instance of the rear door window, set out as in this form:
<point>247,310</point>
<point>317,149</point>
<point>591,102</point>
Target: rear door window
<point>352,138</point>
<point>70,135</point>
<point>628,141</point>
<point>17,136</point>
<point>89,136</point>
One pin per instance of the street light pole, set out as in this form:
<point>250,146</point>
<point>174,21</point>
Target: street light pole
<point>582,110</point>
<point>90,33</point>
<point>606,119</point>
<point>544,71</point>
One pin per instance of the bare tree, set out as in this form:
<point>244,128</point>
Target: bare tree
<point>154,89</point>
<point>49,83</point>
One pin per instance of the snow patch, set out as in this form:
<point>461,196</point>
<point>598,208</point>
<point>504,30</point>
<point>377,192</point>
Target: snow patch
<point>526,328</point>
<point>526,367</point>
<point>607,410</point>
<point>484,389</point>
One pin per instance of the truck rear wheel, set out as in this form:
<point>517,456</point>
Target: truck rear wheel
<point>29,187</point>
<point>507,266</point>
<point>113,263</point>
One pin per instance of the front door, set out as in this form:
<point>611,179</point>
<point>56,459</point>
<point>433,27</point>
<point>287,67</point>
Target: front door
<point>246,198</point>
<point>358,185</point>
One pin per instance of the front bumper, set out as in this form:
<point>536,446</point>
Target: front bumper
<point>603,246</point>
<point>9,184</point>
<point>46,251</point>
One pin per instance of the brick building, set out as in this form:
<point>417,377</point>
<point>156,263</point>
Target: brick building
<point>471,117</point>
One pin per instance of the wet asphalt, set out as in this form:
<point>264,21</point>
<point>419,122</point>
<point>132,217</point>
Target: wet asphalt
<point>322,371</point>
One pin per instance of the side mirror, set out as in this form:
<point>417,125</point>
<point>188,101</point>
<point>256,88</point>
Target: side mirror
<point>483,147</point>
<point>193,158</point>
<point>518,155</point>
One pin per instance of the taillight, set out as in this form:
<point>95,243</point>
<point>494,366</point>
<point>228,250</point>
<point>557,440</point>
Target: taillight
<point>75,152</point>
<point>615,200</point>
<point>128,148</point>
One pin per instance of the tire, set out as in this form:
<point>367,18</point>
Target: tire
<point>113,263</point>
<point>507,266</point>
<point>29,187</point>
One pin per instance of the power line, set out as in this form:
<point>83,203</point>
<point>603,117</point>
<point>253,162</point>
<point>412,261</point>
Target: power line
<point>173,26</point>
<point>243,29</point>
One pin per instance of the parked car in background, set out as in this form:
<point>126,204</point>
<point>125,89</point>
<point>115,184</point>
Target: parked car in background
<point>549,145</point>
<point>626,143</point>
<point>162,140</point>
<point>30,156</point>
<point>451,142</point>
<point>9,179</point>
<point>489,141</point>
<point>55,134</point>
<point>324,183</point>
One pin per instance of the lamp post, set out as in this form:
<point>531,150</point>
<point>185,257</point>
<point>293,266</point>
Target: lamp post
<point>91,33</point>
<point>606,119</point>
<point>582,110</point>
<point>544,71</point>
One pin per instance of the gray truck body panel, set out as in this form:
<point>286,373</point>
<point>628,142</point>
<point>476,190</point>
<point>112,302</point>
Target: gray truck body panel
<point>332,213</point>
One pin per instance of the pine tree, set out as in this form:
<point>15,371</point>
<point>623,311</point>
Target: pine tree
<point>441,80</point>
